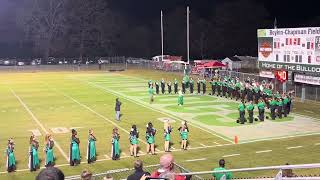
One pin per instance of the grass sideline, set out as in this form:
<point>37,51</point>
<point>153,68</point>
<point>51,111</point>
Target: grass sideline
<point>44,94</point>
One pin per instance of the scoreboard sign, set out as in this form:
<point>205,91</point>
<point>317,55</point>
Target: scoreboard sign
<point>291,49</point>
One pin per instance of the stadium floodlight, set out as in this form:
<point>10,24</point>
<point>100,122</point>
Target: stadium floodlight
<point>161,19</point>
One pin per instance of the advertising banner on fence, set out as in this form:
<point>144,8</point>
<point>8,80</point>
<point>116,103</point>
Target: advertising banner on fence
<point>266,74</point>
<point>307,79</point>
<point>293,49</point>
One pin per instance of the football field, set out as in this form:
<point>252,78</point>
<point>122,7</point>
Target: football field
<point>52,102</point>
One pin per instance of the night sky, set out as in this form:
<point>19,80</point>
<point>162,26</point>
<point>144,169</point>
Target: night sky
<point>289,13</point>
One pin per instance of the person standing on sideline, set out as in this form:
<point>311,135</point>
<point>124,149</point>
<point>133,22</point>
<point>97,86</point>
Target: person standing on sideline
<point>180,98</point>
<point>222,175</point>
<point>285,105</point>
<point>74,149</point>
<point>242,112</point>
<point>150,133</point>
<point>115,148</point>
<point>49,143</point>
<point>157,87</point>
<point>34,162</point>
<point>191,85</point>
<point>133,138</point>
<point>169,87</point>
<point>250,109</point>
<point>167,135</point>
<point>91,150</point>
<point>279,107</point>
<point>261,106</point>
<point>184,130</point>
<point>198,85</point>
<point>183,85</point>
<point>273,106</point>
<point>11,160</point>
<point>204,86</point>
<point>117,109</point>
<point>151,94</point>
<point>175,84</point>
<point>163,86</point>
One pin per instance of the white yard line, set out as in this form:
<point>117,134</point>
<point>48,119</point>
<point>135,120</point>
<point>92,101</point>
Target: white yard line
<point>123,153</point>
<point>294,147</point>
<point>264,151</point>
<point>192,160</point>
<point>35,119</point>
<point>203,145</point>
<point>107,156</point>
<point>317,144</point>
<point>231,155</point>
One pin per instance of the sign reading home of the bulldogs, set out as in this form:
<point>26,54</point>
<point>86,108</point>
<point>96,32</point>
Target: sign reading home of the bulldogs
<point>290,67</point>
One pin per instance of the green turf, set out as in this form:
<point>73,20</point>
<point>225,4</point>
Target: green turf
<point>66,100</point>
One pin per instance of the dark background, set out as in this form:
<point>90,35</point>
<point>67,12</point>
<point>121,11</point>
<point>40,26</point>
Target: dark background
<point>82,28</point>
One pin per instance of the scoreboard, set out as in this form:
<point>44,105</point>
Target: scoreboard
<point>290,49</point>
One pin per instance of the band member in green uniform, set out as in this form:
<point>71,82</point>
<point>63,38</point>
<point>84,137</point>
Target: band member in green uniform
<point>273,106</point>
<point>167,135</point>
<point>224,88</point>
<point>191,85</point>
<point>242,92</point>
<point>213,88</point>
<point>261,106</point>
<point>74,149</point>
<point>256,91</point>
<point>157,87</point>
<point>279,107</point>
<point>133,138</point>
<point>242,112</point>
<point>169,87</point>
<point>198,85</point>
<point>115,148</point>
<point>219,87</point>
<point>149,83</point>
<point>11,160</point>
<point>151,94</point>
<point>49,143</point>
<point>237,89</point>
<point>250,109</point>
<point>34,162</point>
<point>150,133</point>
<point>184,131</point>
<point>183,84</point>
<point>91,150</point>
<point>163,86</point>
<point>204,86</point>
<point>285,105</point>
<point>180,98</point>
<point>175,84</point>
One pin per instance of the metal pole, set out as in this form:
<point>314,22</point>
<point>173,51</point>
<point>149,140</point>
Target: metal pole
<point>161,35</point>
<point>188,48</point>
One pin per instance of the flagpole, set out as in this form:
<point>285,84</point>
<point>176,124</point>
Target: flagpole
<point>188,48</point>
<point>161,35</point>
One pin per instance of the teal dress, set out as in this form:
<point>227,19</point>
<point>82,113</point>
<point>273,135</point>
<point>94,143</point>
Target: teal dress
<point>115,147</point>
<point>184,134</point>
<point>91,150</point>
<point>134,137</point>
<point>74,151</point>
<point>150,136</point>
<point>34,162</point>
<point>11,160</point>
<point>167,134</point>
<point>49,154</point>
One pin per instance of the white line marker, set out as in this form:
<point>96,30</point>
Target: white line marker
<point>316,144</point>
<point>124,154</point>
<point>172,148</point>
<point>294,147</point>
<point>203,145</point>
<point>216,143</point>
<point>107,157</point>
<point>265,151</point>
<point>231,155</point>
<point>192,160</point>
<point>39,123</point>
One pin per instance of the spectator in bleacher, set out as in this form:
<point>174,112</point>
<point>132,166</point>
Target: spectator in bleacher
<point>50,173</point>
<point>222,175</point>
<point>138,166</point>
<point>86,175</point>
<point>166,169</point>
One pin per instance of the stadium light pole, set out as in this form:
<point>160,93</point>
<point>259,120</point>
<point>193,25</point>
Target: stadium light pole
<point>188,48</point>
<point>161,19</point>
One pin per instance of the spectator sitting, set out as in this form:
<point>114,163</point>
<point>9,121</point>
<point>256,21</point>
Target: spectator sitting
<point>287,172</point>
<point>50,173</point>
<point>108,177</point>
<point>167,169</point>
<point>138,165</point>
<point>224,175</point>
<point>86,175</point>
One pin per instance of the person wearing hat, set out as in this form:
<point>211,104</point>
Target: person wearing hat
<point>250,109</point>
<point>34,162</point>
<point>133,138</point>
<point>167,135</point>
<point>157,87</point>
<point>11,160</point>
<point>261,106</point>
<point>279,107</point>
<point>166,169</point>
<point>183,85</point>
<point>180,99</point>
<point>242,112</point>
<point>273,106</point>
<point>237,89</point>
<point>222,175</point>
<point>163,86</point>
<point>49,143</point>
<point>175,85</point>
<point>285,105</point>
<point>184,131</point>
<point>150,133</point>
<point>151,94</point>
<point>198,85</point>
<point>115,148</point>
<point>74,149</point>
<point>91,149</point>
<point>191,85</point>
<point>150,83</point>
<point>169,87</point>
